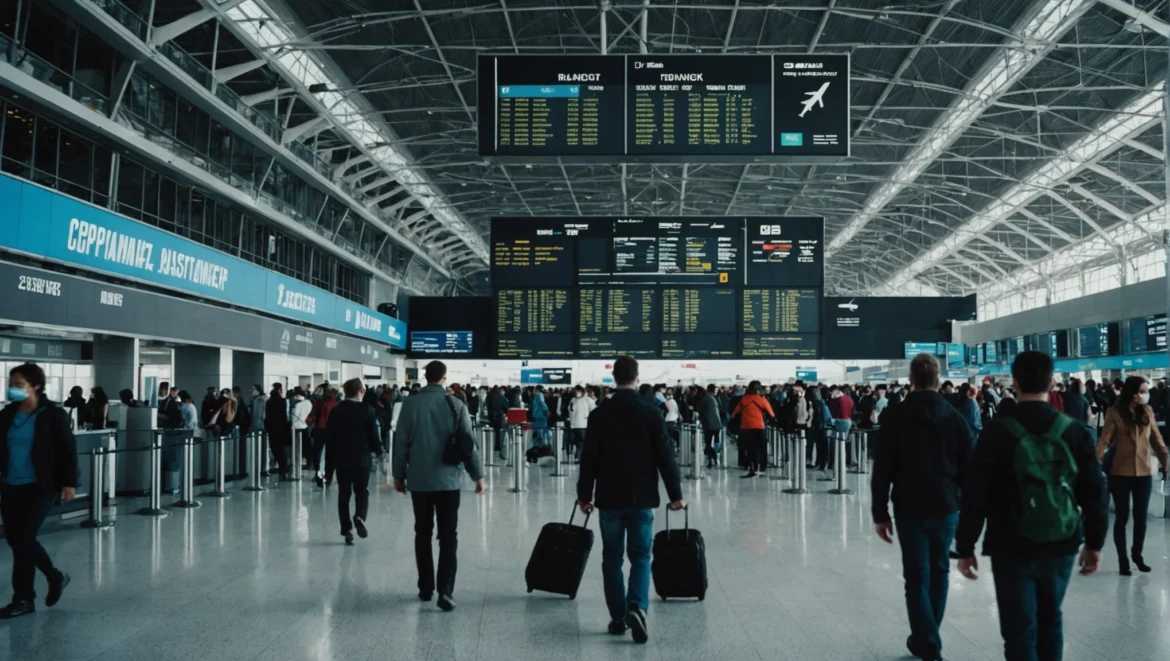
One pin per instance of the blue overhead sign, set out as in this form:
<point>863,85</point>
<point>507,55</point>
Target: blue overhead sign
<point>808,376</point>
<point>532,376</point>
<point>931,348</point>
<point>45,224</point>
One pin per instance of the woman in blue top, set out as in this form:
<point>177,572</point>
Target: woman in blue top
<point>969,408</point>
<point>38,461</point>
<point>539,414</point>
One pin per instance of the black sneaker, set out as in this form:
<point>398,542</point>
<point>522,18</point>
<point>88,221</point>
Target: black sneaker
<point>348,539</point>
<point>425,596</point>
<point>748,476</point>
<point>18,608</point>
<point>636,621</point>
<point>446,603</point>
<point>618,628</point>
<point>56,588</point>
<point>360,526</point>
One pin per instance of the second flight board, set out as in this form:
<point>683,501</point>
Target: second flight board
<point>663,107</point>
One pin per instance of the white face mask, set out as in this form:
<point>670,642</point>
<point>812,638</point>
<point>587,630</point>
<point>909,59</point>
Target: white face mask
<point>1144,397</point>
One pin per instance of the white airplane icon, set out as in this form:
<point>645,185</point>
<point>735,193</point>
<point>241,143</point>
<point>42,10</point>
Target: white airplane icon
<point>851,306</point>
<point>815,98</point>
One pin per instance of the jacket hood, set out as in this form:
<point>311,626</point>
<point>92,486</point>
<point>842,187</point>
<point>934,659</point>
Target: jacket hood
<point>927,405</point>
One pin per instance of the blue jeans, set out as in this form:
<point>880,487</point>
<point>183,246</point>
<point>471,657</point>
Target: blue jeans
<point>620,529</point>
<point>925,564</point>
<point>1029,594</point>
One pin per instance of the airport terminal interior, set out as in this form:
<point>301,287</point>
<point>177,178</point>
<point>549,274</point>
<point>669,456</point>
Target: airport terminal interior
<point>223,220</point>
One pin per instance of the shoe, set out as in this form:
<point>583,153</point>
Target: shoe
<point>56,588</point>
<point>348,539</point>
<point>618,628</point>
<point>811,467</point>
<point>916,653</point>
<point>425,596</point>
<point>446,603</point>
<point>748,476</point>
<point>1125,570</point>
<point>1141,565</point>
<point>360,526</point>
<point>18,608</point>
<point>319,482</point>
<point>636,621</point>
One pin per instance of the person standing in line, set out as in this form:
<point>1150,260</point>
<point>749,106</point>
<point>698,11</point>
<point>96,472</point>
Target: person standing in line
<point>302,408</point>
<point>1131,430</point>
<point>319,422</point>
<point>754,411</point>
<point>922,453</point>
<point>427,420</point>
<point>841,407</point>
<point>350,438</point>
<point>1076,405</point>
<point>627,449</point>
<point>1032,538</point>
<point>276,424</point>
<point>538,415</point>
<point>98,408</point>
<point>579,409</point>
<point>38,462</point>
<point>169,416</point>
<point>707,412</point>
<point>189,415</point>
<point>969,408</point>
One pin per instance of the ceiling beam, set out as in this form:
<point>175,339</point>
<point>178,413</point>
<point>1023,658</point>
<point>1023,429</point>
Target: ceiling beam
<point>1143,18</point>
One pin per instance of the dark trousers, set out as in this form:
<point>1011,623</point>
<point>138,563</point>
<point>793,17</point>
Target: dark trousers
<point>305,438</point>
<point>710,438</point>
<point>1029,594</point>
<point>925,564</point>
<point>823,448</point>
<point>278,444</point>
<point>1122,488</point>
<point>357,482</point>
<point>23,509</point>
<point>430,506</point>
<point>756,445</point>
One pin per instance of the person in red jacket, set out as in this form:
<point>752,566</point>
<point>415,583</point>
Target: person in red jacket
<point>841,408</point>
<point>317,420</point>
<point>754,411</point>
<point>1056,397</point>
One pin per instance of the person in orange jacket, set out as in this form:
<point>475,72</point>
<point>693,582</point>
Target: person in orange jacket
<point>754,411</point>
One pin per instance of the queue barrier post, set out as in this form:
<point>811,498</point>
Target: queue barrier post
<point>558,433</point>
<point>187,478</point>
<point>779,442</point>
<point>516,434</point>
<point>256,450</point>
<point>839,466</point>
<point>296,465</point>
<point>491,455</point>
<point>97,479</point>
<point>694,449</point>
<point>154,507</point>
<point>861,447</point>
<point>724,438</point>
<point>220,490</point>
<point>797,470</point>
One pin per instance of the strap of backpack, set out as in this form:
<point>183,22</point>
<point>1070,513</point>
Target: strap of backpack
<point>1013,426</point>
<point>1056,431</point>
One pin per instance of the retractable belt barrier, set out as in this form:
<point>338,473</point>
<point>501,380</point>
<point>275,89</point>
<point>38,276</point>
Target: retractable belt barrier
<point>187,479</point>
<point>797,471</point>
<point>256,459</point>
<point>694,449</point>
<point>516,435</point>
<point>558,451</point>
<point>839,464</point>
<point>97,479</point>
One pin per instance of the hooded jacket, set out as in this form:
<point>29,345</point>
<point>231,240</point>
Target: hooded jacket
<point>923,450</point>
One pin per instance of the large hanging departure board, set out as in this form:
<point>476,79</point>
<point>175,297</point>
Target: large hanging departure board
<point>664,108</point>
<point>658,286</point>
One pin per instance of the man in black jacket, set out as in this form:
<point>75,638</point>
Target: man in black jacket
<point>922,451</point>
<point>351,438</point>
<point>627,448</point>
<point>1030,577</point>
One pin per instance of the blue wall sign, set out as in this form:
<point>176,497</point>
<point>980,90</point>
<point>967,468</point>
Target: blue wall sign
<point>808,376</point>
<point>45,224</point>
<point>533,376</point>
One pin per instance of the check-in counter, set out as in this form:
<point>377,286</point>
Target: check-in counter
<point>136,433</point>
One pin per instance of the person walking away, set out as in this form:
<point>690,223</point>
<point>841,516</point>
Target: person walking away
<point>1130,430</point>
<point>319,422</point>
<point>277,426</point>
<point>969,408</point>
<point>299,417</point>
<point>498,408</point>
<point>1035,480</point>
<point>707,412</point>
<point>538,415</point>
<point>673,419</point>
<point>1076,404</point>
<point>189,415</point>
<point>350,438</point>
<point>427,420</point>
<point>627,449</point>
<point>754,411</point>
<point>1056,397</point>
<point>579,409</point>
<point>922,453</point>
<point>97,409</point>
<point>38,462</point>
<point>821,426</point>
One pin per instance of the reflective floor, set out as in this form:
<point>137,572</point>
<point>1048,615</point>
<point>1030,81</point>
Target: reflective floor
<point>266,577</point>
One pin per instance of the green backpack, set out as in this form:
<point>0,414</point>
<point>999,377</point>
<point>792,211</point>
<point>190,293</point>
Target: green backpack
<point>1045,473</point>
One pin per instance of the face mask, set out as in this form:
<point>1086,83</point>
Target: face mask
<point>17,394</point>
<point>1144,397</point>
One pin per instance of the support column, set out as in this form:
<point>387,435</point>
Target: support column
<point>248,370</point>
<point>199,368</point>
<point>115,364</point>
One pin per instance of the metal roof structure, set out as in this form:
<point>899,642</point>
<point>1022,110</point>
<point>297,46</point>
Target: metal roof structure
<point>996,143</point>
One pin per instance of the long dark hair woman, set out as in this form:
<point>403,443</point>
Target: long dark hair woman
<point>98,408</point>
<point>38,461</point>
<point>1129,433</point>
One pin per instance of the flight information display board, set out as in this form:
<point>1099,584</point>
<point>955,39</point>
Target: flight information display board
<point>780,346</point>
<point>441,342</point>
<point>1146,334</point>
<point>533,311</point>
<point>785,251</point>
<point>609,345</point>
<point>617,310</point>
<point>1098,340</point>
<point>781,310</point>
<point>534,345</point>
<point>698,345</point>
<point>663,108</point>
<point>698,310</point>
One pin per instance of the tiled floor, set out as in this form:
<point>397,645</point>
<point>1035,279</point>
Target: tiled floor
<point>266,577</point>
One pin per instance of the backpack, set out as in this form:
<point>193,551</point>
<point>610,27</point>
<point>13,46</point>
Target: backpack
<point>1045,473</point>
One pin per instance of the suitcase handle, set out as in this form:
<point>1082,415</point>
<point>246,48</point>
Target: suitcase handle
<point>573,513</point>
<point>686,518</point>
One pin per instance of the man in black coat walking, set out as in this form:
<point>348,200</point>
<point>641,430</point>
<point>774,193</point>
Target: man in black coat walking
<point>351,439</point>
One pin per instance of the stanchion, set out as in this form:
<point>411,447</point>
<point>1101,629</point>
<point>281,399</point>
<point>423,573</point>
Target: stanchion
<point>782,467</point>
<point>491,456</point>
<point>558,434</point>
<point>839,464</point>
<point>187,479</point>
<point>694,448</point>
<point>97,483</point>
<point>798,470</point>
<point>256,449</point>
<point>220,459</point>
<point>831,448</point>
<point>723,443</point>
<point>296,464</point>
<point>773,447</point>
<point>264,454</point>
<point>684,446</point>
<point>516,436</point>
<point>861,447</point>
<point>155,506</point>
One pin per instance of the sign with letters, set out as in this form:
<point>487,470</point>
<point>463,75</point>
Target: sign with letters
<point>52,226</point>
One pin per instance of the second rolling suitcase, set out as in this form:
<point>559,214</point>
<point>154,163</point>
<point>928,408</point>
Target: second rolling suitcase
<point>679,567</point>
<point>558,561</point>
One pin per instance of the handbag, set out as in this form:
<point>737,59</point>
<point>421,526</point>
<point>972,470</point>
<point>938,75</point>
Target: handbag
<point>1107,460</point>
<point>459,444</point>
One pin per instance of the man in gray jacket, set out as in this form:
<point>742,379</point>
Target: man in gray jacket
<point>425,422</point>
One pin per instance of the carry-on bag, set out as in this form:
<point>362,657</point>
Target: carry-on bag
<point>559,558</point>
<point>679,567</point>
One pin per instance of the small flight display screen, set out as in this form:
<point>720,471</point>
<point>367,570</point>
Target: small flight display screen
<point>698,310</point>
<point>698,345</point>
<point>785,252</point>
<point>780,346</point>
<point>1098,340</point>
<point>781,310</point>
<point>441,342</point>
<point>533,311</point>
<point>534,345</point>
<point>1146,334</point>
<point>612,345</point>
<point>617,310</point>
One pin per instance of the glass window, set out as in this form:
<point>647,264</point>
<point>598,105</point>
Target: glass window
<point>18,140</point>
<point>130,188</point>
<point>198,204</point>
<point>76,161</point>
<point>166,204</point>
<point>150,180</point>
<point>101,175</point>
<point>45,158</point>
<point>50,36</point>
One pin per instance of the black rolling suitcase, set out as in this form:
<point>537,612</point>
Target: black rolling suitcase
<point>680,562</point>
<point>558,561</point>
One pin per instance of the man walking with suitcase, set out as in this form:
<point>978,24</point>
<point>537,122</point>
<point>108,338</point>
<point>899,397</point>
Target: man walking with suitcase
<point>627,448</point>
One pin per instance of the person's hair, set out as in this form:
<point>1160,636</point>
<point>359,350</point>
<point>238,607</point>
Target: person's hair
<point>1032,371</point>
<point>126,395</point>
<point>184,396</point>
<point>435,371</point>
<point>1075,386</point>
<point>278,387</point>
<point>76,391</point>
<point>235,389</point>
<point>645,389</point>
<point>1133,414</point>
<point>753,388</point>
<point>351,388</point>
<point>578,390</point>
<point>32,374</point>
<point>924,372</point>
<point>625,370</point>
<point>711,388</point>
<point>100,396</point>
